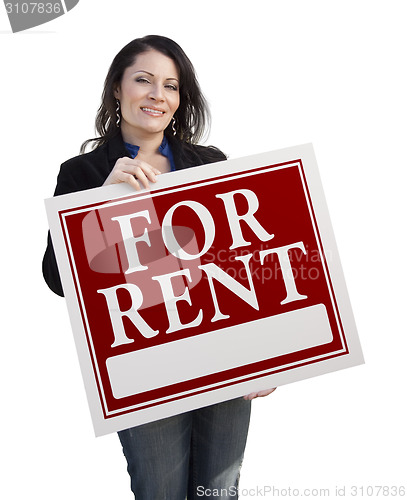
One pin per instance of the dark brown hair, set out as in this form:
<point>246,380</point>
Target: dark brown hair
<point>192,116</point>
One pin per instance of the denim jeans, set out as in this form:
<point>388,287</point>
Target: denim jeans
<point>194,455</point>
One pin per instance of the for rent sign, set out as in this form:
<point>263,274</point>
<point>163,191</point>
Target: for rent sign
<point>221,280</point>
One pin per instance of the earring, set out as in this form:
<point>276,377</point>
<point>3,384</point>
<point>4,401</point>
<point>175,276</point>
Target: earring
<point>174,132</point>
<point>117,113</point>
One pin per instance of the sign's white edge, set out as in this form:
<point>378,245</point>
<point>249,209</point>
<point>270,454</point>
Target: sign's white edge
<point>304,153</point>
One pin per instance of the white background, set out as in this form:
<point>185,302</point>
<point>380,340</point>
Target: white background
<point>276,74</point>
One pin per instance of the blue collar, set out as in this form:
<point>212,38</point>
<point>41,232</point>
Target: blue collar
<point>164,149</point>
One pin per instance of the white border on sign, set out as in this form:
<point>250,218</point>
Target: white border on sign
<point>207,174</point>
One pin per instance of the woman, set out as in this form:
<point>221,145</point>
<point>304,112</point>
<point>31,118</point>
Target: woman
<point>151,117</point>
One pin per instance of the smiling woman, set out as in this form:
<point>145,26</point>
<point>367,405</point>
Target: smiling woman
<point>150,120</point>
<point>148,96</point>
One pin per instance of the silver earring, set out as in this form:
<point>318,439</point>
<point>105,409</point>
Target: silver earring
<point>117,113</point>
<point>174,132</point>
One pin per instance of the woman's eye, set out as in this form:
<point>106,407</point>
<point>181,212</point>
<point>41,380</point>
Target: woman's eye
<point>142,80</point>
<point>172,87</point>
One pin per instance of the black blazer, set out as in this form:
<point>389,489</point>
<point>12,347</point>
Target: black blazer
<point>90,170</point>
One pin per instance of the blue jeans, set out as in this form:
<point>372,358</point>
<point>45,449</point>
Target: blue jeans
<point>194,455</point>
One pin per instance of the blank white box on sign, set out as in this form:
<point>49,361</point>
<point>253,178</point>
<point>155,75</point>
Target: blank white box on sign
<point>154,367</point>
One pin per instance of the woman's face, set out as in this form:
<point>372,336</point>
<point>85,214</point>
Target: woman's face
<point>148,95</point>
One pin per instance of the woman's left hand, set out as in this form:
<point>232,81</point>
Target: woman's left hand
<point>259,394</point>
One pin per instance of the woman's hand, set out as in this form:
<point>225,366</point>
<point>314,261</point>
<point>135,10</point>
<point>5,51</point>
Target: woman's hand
<point>135,172</point>
<point>259,394</point>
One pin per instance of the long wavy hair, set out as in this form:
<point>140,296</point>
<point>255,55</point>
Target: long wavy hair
<point>192,117</point>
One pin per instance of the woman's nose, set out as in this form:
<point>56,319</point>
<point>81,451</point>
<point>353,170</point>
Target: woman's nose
<point>156,93</point>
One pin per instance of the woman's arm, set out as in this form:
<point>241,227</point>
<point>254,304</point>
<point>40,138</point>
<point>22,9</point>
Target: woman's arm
<point>66,183</point>
<point>50,269</point>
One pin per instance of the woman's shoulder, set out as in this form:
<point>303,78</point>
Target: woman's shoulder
<point>195,154</point>
<point>212,153</point>
<point>106,152</point>
<point>83,159</point>
<point>84,171</point>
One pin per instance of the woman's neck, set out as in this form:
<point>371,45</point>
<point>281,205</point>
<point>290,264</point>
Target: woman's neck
<point>148,144</point>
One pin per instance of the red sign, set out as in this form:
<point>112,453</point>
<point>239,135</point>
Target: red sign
<point>222,280</point>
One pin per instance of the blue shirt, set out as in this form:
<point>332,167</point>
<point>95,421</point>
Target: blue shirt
<point>164,149</point>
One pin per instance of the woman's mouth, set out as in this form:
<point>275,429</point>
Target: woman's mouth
<point>152,111</point>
